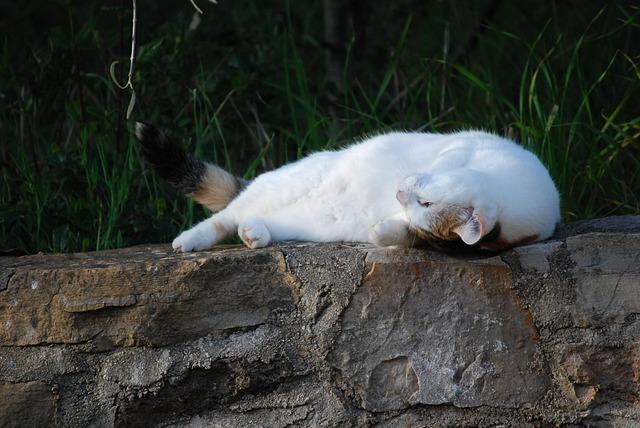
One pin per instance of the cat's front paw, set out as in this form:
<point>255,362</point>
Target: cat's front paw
<point>194,239</point>
<point>389,232</point>
<point>254,234</point>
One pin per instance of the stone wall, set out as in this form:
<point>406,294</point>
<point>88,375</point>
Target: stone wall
<point>326,335</point>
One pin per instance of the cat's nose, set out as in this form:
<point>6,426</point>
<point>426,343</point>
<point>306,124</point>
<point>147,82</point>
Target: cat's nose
<point>401,197</point>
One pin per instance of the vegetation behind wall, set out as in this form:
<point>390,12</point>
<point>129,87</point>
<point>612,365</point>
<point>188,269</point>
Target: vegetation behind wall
<point>252,85</point>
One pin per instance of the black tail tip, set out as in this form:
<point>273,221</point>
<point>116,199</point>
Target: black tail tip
<point>156,147</point>
<point>145,131</point>
<point>169,160</point>
<point>154,142</point>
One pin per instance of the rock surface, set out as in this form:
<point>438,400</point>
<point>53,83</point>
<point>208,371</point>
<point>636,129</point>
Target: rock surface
<point>326,335</point>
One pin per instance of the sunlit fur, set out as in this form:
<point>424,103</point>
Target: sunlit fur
<point>216,188</point>
<point>350,195</point>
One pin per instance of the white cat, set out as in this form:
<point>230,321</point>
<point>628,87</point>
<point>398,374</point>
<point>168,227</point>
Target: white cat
<point>471,188</point>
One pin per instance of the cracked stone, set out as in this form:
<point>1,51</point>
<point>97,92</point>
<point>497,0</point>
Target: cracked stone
<point>424,331</point>
<point>327,335</point>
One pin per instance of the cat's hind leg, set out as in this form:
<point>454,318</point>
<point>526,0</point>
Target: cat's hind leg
<point>254,233</point>
<point>205,234</point>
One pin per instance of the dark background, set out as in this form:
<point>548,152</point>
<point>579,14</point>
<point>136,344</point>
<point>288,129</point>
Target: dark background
<point>252,85</point>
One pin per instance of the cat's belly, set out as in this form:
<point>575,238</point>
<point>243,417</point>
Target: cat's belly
<point>329,200</point>
<point>321,224</point>
<point>326,220</point>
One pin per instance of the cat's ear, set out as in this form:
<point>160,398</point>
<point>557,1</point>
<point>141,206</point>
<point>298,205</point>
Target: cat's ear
<point>479,223</point>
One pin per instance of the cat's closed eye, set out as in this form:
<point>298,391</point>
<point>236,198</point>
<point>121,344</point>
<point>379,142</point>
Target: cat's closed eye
<point>425,203</point>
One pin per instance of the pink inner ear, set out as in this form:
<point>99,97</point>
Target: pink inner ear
<point>472,230</point>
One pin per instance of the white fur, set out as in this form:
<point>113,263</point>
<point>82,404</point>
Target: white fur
<point>350,195</point>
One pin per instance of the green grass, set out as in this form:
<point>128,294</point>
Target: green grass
<point>72,177</point>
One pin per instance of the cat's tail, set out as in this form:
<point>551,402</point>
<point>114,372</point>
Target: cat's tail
<point>205,183</point>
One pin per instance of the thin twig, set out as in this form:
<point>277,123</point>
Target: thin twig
<point>129,83</point>
<point>133,44</point>
<point>198,9</point>
<point>120,77</point>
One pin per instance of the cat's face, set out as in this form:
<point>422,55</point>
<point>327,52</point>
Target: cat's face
<point>445,207</point>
